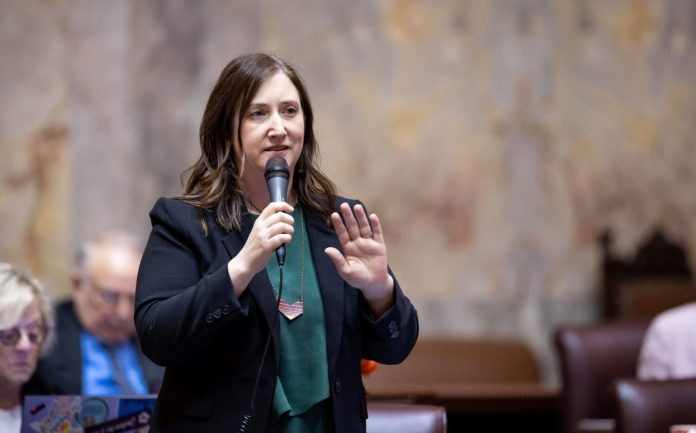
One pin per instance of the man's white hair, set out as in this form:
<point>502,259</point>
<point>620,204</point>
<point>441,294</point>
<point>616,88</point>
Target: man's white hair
<point>109,238</point>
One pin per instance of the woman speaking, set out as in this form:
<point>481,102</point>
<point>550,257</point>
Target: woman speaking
<point>252,342</point>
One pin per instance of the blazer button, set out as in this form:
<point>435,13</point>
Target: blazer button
<point>225,310</point>
<point>337,387</point>
<point>217,313</point>
<point>209,318</point>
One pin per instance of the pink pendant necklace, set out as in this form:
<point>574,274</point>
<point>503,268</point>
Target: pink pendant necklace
<point>291,311</point>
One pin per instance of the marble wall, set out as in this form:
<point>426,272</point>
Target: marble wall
<point>495,138</point>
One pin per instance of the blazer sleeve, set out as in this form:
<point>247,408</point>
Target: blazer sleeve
<point>389,338</point>
<point>178,309</point>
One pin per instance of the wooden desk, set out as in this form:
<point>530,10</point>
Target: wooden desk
<point>478,407</point>
<point>494,398</point>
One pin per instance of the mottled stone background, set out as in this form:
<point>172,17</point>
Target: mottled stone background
<point>496,139</point>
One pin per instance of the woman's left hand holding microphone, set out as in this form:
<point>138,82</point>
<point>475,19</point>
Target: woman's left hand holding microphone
<point>272,228</point>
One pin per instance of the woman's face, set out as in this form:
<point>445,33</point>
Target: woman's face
<point>20,346</point>
<point>273,125</point>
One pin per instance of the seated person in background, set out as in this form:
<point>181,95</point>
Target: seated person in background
<point>26,316</point>
<point>669,347</point>
<point>99,353</point>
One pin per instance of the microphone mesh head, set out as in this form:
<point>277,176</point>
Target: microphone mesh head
<point>276,166</point>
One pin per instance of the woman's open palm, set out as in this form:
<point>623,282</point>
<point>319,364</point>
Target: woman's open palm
<point>363,263</point>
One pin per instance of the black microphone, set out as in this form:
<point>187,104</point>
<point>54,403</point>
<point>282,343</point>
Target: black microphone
<point>277,175</point>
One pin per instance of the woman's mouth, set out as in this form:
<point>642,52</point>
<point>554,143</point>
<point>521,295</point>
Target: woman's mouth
<point>277,148</point>
<point>22,367</point>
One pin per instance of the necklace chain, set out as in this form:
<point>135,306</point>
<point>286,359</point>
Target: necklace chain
<point>302,259</point>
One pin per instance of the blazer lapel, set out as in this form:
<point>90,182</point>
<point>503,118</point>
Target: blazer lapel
<point>330,283</point>
<point>260,287</point>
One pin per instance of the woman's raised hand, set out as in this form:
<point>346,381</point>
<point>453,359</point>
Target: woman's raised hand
<point>363,263</point>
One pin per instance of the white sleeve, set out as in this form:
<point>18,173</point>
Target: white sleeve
<point>655,354</point>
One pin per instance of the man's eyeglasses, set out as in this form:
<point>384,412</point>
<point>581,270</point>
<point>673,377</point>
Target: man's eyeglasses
<point>35,334</point>
<point>112,298</point>
<point>109,297</point>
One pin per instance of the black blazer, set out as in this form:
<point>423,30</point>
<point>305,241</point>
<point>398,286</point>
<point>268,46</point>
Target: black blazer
<point>60,371</point>
<point>189,320</point>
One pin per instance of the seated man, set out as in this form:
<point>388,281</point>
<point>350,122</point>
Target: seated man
<point>669,347</point>
<point>97,351</point>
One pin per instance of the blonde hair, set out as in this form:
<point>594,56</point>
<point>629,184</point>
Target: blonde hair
<point>18,290</point>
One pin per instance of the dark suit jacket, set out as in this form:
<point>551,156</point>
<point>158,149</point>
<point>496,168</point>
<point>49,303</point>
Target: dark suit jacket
<point>189,319</point>
<point>60,372</point>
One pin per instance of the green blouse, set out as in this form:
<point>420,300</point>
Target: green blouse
<point>300,400</point>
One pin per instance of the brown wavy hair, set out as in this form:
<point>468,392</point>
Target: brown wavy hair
<point>213,184</point>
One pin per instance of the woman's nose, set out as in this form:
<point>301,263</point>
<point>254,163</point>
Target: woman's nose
<point>277,126</point>
<point>24,343</point>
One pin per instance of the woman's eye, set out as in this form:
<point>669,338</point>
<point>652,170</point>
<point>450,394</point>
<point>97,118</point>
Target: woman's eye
<point>256,114</point>
<point>291,110</point>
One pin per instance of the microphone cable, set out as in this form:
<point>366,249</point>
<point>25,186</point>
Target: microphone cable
<point>247,419</point>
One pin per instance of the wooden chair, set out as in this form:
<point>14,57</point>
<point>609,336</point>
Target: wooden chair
<point>656,278</point>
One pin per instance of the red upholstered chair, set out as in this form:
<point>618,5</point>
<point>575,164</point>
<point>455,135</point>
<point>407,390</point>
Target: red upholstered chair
<point>591,358</point>
<point>653,406</point>
<point>405,418</point>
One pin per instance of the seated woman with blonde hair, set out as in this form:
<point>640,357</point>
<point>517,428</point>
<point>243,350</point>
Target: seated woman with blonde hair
<point>26,318</point>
